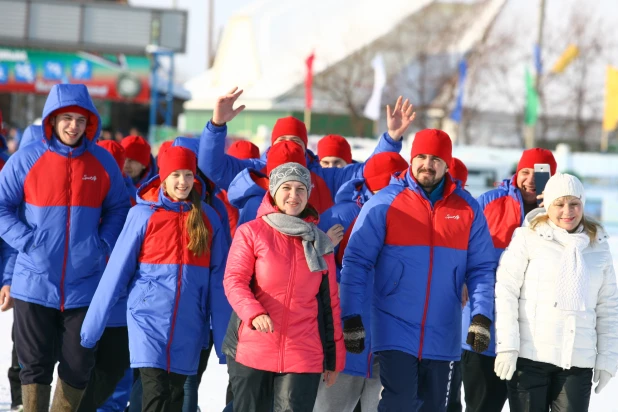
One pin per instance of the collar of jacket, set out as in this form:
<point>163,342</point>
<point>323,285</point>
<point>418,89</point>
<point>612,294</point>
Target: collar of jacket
<point>545,231</point>
<point>448,186</point>
<point>56,146</point>
<point>151,194</point>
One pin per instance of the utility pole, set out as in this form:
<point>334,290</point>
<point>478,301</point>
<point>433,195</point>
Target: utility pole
<point>529,131</point>
<point>209,42</point>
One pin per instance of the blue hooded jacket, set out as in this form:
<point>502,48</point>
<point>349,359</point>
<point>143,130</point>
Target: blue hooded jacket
<point>33,133</point>
<point>173,294</point>
<point>246,194</point>
<point>422,254</point>
<point>349,201</point>
<point>62,208</point>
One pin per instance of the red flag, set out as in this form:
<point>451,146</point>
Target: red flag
<point>309,81</point>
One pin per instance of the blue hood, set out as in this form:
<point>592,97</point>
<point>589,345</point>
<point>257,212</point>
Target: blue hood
<point>244,187</point>
<point>354,190</point>
<point>33,133</point>
<point>188,142</point>
<point>64,95</point>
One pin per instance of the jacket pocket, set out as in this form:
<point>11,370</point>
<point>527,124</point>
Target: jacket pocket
<point>37,252</point>
<point>390,281</point>
<point>144,294</point>
<point>457,286</point>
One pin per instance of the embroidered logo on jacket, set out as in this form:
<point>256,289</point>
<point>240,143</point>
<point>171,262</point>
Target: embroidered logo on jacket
<point>93,178</point>
<point>456,217</point>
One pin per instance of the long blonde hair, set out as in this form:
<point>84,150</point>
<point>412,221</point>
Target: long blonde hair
<point>591,227</point>
<point>198,232</point>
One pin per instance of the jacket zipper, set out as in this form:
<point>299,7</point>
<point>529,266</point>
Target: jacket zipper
<point>288,297</point>
<point>178,285</point>
<point>68,232</point>
<point>428,290</point>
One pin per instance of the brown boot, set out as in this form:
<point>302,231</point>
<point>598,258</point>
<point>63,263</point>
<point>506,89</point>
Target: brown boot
<point>66,397</point>
<point>35,397</point>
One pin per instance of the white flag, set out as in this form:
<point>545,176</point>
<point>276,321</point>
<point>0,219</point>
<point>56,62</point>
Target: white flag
<point>372,109</point>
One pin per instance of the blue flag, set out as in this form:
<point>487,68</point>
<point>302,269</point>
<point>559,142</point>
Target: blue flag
<point>457,112</point>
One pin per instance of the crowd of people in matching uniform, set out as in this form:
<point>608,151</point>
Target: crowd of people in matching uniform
<point>323,283</point>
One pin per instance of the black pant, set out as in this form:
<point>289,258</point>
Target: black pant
<point>112,361</point>
<point>261,391</point>
<point>163,391</point>
<point>13,374</point>
<point>537,386</point>
<point>45,336</point>
<point>484,390</point>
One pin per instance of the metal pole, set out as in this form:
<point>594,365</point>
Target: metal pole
<point>529,131</point>
<point>169,97</point>
<point>154,97</point>
<point>209,42</point>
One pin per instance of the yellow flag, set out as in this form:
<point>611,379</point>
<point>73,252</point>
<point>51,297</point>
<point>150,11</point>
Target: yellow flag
<point>610,117</point>
<point>566,58</point>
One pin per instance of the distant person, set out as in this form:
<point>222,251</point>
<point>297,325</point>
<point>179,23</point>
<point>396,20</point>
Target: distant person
<point>334,151</point>
<point>139,166</point>
<point>556,305</point>
<point>244,149</point>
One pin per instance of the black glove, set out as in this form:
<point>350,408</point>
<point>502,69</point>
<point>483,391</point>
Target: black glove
<point>354,335</point>
<point>478,333</point>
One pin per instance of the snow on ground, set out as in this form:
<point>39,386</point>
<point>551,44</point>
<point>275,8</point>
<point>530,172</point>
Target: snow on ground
<point>214,383</point>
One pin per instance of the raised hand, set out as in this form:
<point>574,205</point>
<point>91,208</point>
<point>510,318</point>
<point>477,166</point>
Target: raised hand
<point>400,118</point>
<point>224,108</point>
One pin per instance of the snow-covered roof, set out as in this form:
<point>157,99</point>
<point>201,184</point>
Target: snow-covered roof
<point>264,46</point>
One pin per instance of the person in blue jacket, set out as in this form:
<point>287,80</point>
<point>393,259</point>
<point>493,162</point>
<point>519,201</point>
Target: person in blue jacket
<point>425,237</point>
<point>62,207</point>
<point>359,380</point>
<point>193,381</point>
<point>139,166</point>
<point>171,259</point>
<point>222,168</point>
<point>33,133</point>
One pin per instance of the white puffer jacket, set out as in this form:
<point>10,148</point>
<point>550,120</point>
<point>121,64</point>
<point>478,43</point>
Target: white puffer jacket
<point>528,322</point>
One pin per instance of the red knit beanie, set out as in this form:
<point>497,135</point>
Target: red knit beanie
<point>289,126</point>
<point>285,152</point>
<point>243,149</point>
<point>177,158</point>
<point>335,145</point>
<point>137,148</point>
<point>433,142</point>
<point>537,155</point>
<point>380,167</point>
<point>458,170</point>
<point>162,148</point>
<point>115,149</point>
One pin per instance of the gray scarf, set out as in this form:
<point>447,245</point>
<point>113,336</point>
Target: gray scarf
<point>315,242</point>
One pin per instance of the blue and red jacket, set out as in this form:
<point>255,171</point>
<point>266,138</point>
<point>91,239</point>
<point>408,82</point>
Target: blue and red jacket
<point>62,208</point>
<point>423,253</point>
<point>32,133</point>
<point>214,196</point>
<point>348,203</point>
<point>222,168</point>
<point>246,193</point>
<point>504,210</point>
<point>173,294</point>
<point>4,153</point>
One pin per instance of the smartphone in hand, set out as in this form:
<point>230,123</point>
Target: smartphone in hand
<point>541,176</point>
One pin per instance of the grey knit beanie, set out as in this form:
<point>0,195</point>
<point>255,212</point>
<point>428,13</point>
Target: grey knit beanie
<point>289,172</point>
